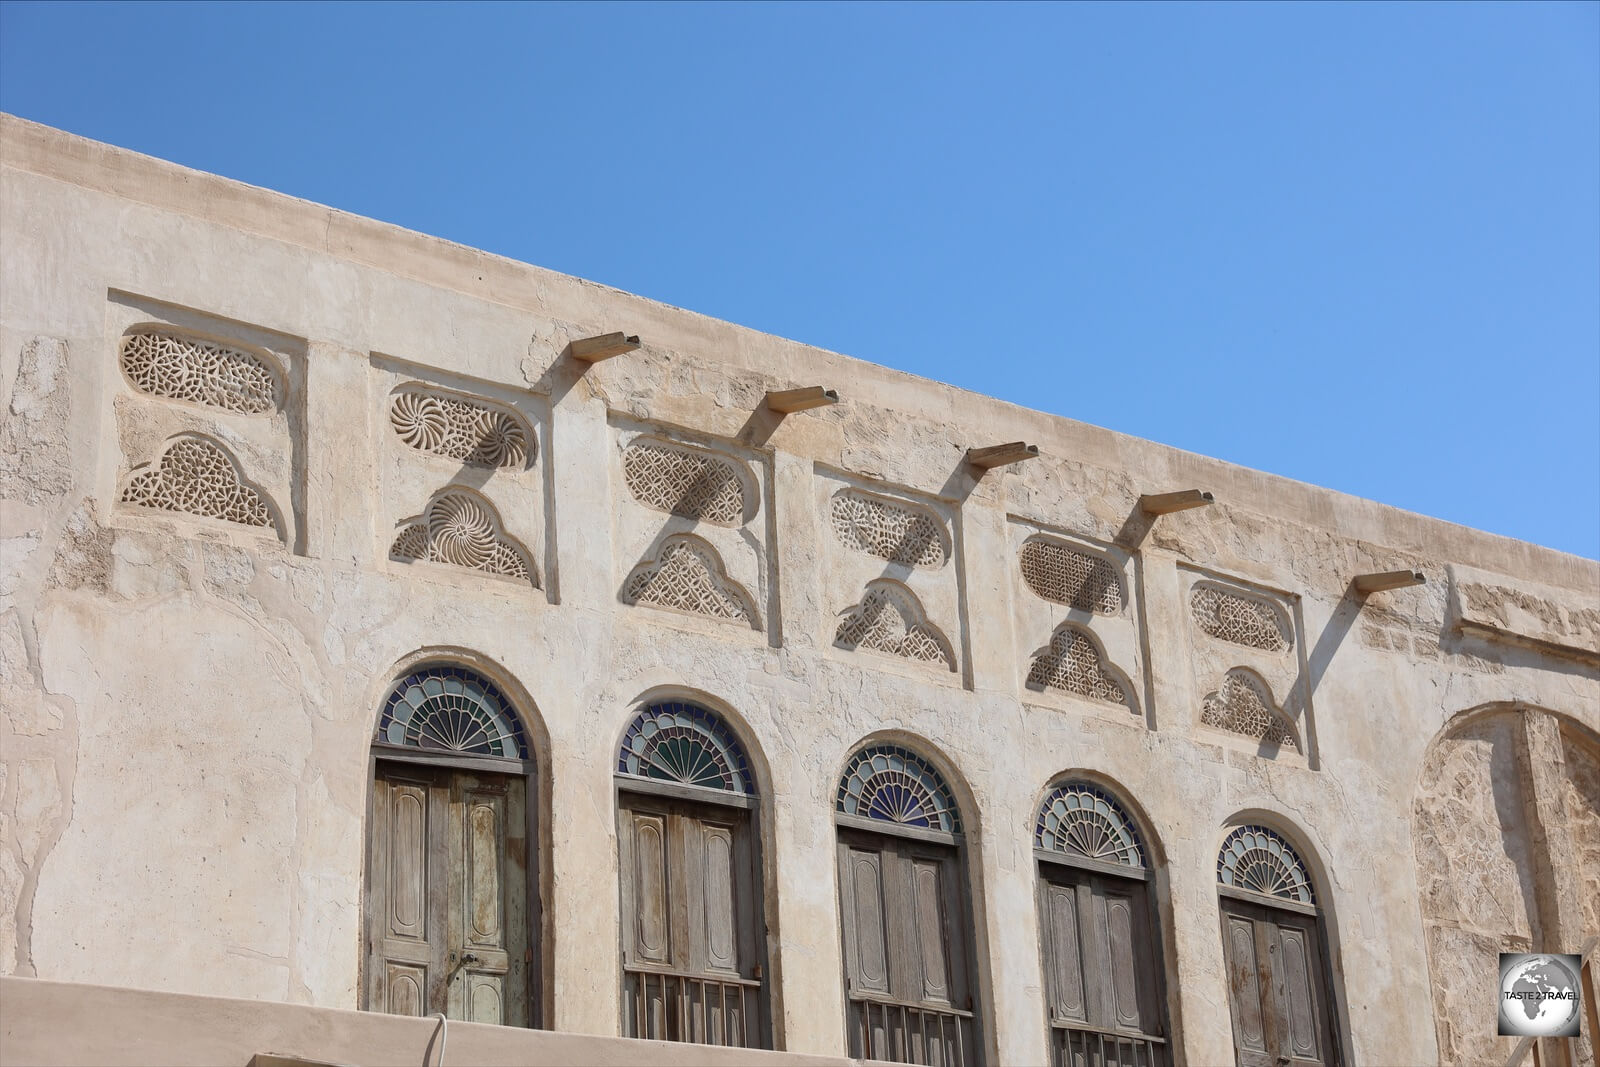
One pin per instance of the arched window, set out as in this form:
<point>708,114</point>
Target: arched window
<point>693,939</point>
<point>906,920</point>
<point>1275,946</point>
<point>452,910</point>
<point>1100,931</point>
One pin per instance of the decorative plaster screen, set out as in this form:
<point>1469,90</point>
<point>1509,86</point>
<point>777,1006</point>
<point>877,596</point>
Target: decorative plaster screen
<point>1081,819</point>
<point>890,620</point>
<point>199,372</point>
<point>460,429</point>
<point>689,577</point>
<point>452,709</point>
<point>1257,859</point>
<point>895,785</point>
<point>462,530</point>
<point>686,482</point>
<point>1244,706</point>
<point>895,532</point>
<point>1074,664</point>
<point>1068,576</point>
<point>1243,620</point>
<point>685,743</point>
<point>196,476</point>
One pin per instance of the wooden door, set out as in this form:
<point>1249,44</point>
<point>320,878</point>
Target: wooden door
<point>1103,987</point>
<point>447,896</point>
<point>1277,990</point>
<point>691,923</point>
<point>905,951</point>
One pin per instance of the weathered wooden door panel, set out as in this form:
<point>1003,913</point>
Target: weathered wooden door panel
<point>905,953</point>
<point>691,923</point>
<point>1276,987</point>
<point>1104,998</point>
<point>447,905</point>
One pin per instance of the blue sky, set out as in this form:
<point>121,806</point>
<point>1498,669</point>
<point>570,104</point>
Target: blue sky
<point>1357,245</point>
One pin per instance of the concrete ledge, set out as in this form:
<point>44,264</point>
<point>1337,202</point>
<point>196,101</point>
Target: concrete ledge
<point>55,1024</point>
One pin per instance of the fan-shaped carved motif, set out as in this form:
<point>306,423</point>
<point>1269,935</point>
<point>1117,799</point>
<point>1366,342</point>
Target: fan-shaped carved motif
<point>459,428</point>
<point>453,709</point>
<point>1239,618</point>
<point>1257,859</point>
<point>1074,664</point>
<point>462,529</point>
<point>685,743</point>
<point>688,576</point>
<point>682,481</point>
<point>889,619</point>
<point>899,533</point>
<point>1245,706</point>
<point>893,784</point>
<point>217,376</point>
<point>197,476</point>
<point>1070,576</point>
<point>1081,819</point>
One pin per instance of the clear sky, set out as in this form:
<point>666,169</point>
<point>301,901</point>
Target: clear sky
<point>1357,245</point>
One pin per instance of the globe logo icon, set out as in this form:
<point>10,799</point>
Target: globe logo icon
<point>1538,996</point>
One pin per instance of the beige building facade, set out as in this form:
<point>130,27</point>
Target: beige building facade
<point>355,584</point>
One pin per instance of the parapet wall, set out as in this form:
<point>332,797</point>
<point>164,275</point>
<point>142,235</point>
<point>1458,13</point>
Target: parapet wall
<point>257,454</point>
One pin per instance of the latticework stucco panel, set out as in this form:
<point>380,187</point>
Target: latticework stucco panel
<point>875,536</point>
<point>431,431</point>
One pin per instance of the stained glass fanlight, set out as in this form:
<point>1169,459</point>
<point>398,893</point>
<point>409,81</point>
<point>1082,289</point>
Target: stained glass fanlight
<point>1081,819</point>
<point>895,785</point>
<point>1257,859</point>
<point>686,744</point>
<point>451,709</point>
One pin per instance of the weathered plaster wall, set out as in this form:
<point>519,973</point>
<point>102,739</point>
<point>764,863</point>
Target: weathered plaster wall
<point>188,702</point>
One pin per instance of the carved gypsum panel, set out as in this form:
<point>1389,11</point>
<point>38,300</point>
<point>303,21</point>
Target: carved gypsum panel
<point>899,533</point>
<point>688,576</point>
<point>890,619</point>
<point>1072,577</point>
<point>199,372</point>
<point>1074,664</point>
<point>460,429</point>
<point>462,529</point>
<point>197,476</point>
<point>688,482</point>
<point>1244,706</point>
<point>1240,618</point>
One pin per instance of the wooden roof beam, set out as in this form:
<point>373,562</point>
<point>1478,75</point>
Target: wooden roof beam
<point>1167,503</point>
<point>788,401</point>
<point>594,349</point>
<point>1000,455</point>
<point>1377,583</point>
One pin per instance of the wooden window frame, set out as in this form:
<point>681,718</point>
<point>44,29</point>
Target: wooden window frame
<point>749,805</point>
<point>1146,876</point>
<point>848,826</point>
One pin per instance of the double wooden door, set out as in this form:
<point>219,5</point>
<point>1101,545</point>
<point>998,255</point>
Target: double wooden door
<point>447,895</point>
<point>1276,987</point>
<point>1102,969</point>
<point>692,930</point>
<point>907,984</point>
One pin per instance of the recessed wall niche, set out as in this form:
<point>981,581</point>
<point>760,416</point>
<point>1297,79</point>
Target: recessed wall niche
<point>463,478</point>
<point>1078,621</point>
<point>208,416</point>
<point>692,529</point>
